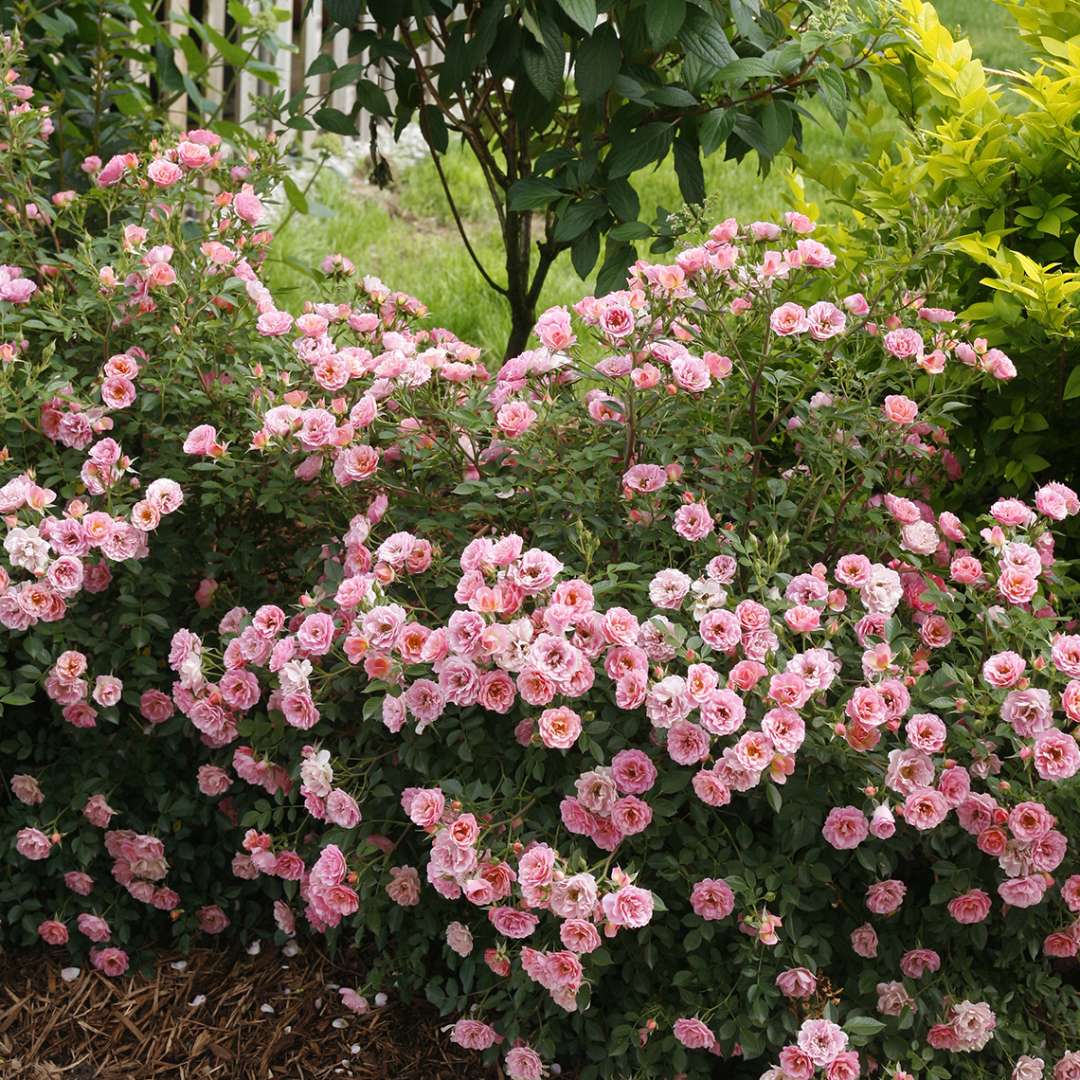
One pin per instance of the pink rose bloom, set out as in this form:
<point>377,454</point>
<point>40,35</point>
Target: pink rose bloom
<point>579,936</point>
<point>164,173</point>
<point>26,789</point>
<point>885,897</point>
<point>1056,755</point>
<point>1068,1068</point>
<point>212,920</point>
<point>644,479</point>
<point>474,1035</point>
<point>459,938</point>
<point>864,941</point>
<point>822,1040</point>
<point>845,1066</point>
<point>903,343</point>
<point>523,1063</point>
<point>425,808</point>
<point>274,323</point>
<point>825,320</point>
<point>32,844</point>
<point>247,205</point>
<point>846,827</point>
<point>93,927</point>
<point>900,409</point>
<point>915,963</point>
<point>341,809</point>
<point>1004,669</point>
<point>404,886</point>
<point>155,706</point>
<point>53,932</point>
<point>693,522</point>
<point>109,961</point>
<point>687,743</point>
<point>693,1034</point>
<point>893,998</point>
<point>512,923</point>
<point>712,898</point>
<point>882,822</point>
<point>202,440</point>
<point>629,906</point>
<point>1023,892</point>
<point>1070,892</point>
<point>1056,501</point>
<point>107,690</point>
<point>795,1064</point>
<point>78,882</point>
<point>925,808</point>
<point>789,319</point>
<point>797,983</point>
<point>98,812</point>
<point>970,907</point>
<point>559,728</point>
<point>633,772</point>
<point>1028,1068</point>
<point>515,418</point>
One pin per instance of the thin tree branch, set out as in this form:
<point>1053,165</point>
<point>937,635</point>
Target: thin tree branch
<point>461,224</point>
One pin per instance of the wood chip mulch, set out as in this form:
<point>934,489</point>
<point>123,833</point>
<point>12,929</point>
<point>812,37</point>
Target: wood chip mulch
<point>214,1015</point>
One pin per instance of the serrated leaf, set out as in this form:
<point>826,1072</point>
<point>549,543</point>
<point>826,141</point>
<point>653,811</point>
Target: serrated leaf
<point>582,12</point>
<point>703,36</point>
<point>663,20</point>
<point>583,255</point>
<point>631,230</point>
<point>597,63</point>
<point>643,146</point>
<point>577,217</point>
<point>688,170</point>
<point>714,129</point>
<point>612,276</point>
<point>533,193</point>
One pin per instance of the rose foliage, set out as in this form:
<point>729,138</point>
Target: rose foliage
<point>639,701</point>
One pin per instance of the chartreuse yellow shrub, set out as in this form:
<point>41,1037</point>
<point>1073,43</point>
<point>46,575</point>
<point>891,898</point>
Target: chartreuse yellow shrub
<point>992,156</point>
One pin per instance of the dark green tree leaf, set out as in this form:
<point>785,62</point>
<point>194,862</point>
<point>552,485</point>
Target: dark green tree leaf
<point>534,193</point>
<point>597,63</point>
<point>336,121</point>
<point>582,12</point>
<point>663,20</point>
<point>642,147</point>
<point>703,35</point>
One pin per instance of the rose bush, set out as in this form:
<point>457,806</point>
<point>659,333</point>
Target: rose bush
<point>638,700</point>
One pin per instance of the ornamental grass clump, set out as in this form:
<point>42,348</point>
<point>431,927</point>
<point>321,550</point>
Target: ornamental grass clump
<point>640,701</point>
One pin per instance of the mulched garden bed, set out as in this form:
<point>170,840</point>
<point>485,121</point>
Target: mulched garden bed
<point>262,1017</point>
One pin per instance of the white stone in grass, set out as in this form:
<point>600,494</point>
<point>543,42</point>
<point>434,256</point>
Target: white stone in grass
<point>254,949</point>
<point>380,1000</point>
<point>266,1008</point>
<point>355,1049</point>
<point>339,1023</point>
<point>197,1000</point>
<point>70,974</point>
<point>178,965</point>
<point>291,948</point>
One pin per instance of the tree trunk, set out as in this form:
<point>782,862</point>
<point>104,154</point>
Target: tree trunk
<point>517,240</point>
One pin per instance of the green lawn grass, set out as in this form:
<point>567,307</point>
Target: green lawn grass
<point>407,237</point>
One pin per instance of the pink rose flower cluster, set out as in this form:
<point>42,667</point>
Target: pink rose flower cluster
<point>918,689</point>
<point>820,1050</point>
<point>69,553</point>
